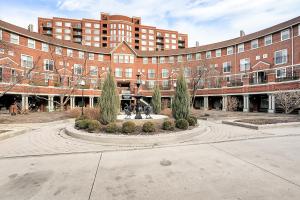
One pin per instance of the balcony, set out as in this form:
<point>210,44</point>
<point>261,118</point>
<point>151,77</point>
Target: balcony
<point>289,77</point>
<point>48,32</point>
<point>77,26</point>
<point>258,78</point>
<point>235,83</point>
<point>47,26</point>
<point>159,36</point>
<point>77,34</point>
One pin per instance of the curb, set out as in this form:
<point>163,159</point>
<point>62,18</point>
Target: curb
<point>259,127</point>
<point>142,140</point>
<point>11,134</point>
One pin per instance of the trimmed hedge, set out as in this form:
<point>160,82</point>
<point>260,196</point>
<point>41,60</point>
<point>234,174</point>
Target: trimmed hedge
<point>93,126</point>
<point>111,128</point>
<point>168,125</point>
<point>148,127</point>
<point>192,120</point>
<point>128,127</point>
<point>182,124</point>
<point>82,124</point>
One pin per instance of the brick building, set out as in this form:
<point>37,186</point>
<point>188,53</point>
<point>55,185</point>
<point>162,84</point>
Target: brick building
<point>110,30</point>
<point>38,71</point>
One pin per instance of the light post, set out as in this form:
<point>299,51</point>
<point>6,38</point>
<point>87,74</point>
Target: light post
<point>138,97</point>
<point>82,84</point>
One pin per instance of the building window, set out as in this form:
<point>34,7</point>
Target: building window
<point>69,52</point>
<point>0,34</point>
<point>145,60</point>
<point>14,38</point>
<point>165,73</point>
<point>162,60</point>
<point>299,29</point>
<point>281,73</point>
<point>171,59</point>
<point>48,65</point>
<point>93,70</point>
<point>226,66</point>
<point>229,50</point>
<point>58,50</point>
<point>254,44</point>
<point>91,56</point>
<point>244,64</point>
<point>1,74</point>
<point>208,55</point>
<point>118,72</point>
<point>77,69</point>
<point>45,47</point>
<point>154,60</point>
<point>187,71</point>
<point>126,58</point>
<point>285,34</point>
<point>58,23</point>
<point>268,40</point>
<point>151,84</point>
<point>128,72</point>
<point>241,48</point>
<point>165,83</point>
<point>13,75</point>
<point>131,57</point>
<point>179,58</point>
<point>26,61</point>
<point>189,57</point>
<point>80,54</point>
<point>100,57</point>
<point>198,56</point>
<point>31,43</point>
<point>151,73</point>
<point>280,57</point>
<point>218,53</point>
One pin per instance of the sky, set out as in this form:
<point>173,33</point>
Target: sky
<point>206,21</point>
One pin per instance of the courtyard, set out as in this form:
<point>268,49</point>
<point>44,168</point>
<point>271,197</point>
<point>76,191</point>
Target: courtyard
<point>222,162</point>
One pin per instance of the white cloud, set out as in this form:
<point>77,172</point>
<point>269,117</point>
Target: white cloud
<point>205,21</point>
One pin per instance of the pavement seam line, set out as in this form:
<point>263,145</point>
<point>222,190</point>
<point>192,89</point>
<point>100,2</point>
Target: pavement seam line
<point>256,166</point>
<point>95,176</point>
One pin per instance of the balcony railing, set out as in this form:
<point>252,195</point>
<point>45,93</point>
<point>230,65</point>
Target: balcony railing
<point>289,77</point>
<point>235,83</point>
<point>254,81</point>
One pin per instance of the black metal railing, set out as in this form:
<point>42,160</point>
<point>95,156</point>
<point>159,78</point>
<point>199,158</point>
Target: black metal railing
<point>289,77</point>
<point>235,83</point>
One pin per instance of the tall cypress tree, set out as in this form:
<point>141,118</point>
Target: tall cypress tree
<point>156,100</point>
<point>181,100</point>
<point>109,101</point>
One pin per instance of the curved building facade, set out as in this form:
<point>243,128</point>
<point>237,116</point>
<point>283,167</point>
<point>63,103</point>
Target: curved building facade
<point>40,72</point>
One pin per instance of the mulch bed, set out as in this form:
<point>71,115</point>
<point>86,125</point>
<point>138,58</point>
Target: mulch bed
<point>262,121</point>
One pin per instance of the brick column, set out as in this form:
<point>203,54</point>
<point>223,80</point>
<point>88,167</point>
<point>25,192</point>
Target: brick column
<point>271,108</point>
<point>25,103</point>
<point>50,104</point>
<point>91,102</point>
<point>246,103</point>
<point>206,103</point>
<point>224,103</point>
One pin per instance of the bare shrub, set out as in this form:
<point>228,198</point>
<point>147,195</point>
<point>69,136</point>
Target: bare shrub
<point>89,113</point>
<point>288,101</point>
<point>167,112</point>
<point>232,103</point>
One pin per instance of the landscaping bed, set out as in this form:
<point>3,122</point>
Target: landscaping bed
<point>263,121</point>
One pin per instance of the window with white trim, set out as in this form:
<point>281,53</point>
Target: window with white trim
<point>281,73</point>
<point>187,71</point>
<point>48,65</point>
<point>128,72</point>
<point>100,57</point>
<point>280,57</point>
<point>77,69</point>
<point>0,34</point>
<point>14,38</point>
<point>299,29</point>
<point>254,44</point>
<point>154,60</point>
<point>285,34</point>
<point>145,60</point>
<point>189,57</point>
<point>150,84</point>
<point>208,55</point>
<point>244,64</point>
<point>162,60</point>
<point>179,58</point>
<point>229,50</point>
<point>31,43</point>
<point>171,59</point>
<point>91,56</point>
<point>241,48</point>
<point>93,70</point>
<point>118,72</point>
<point>45,47</point>
<point>26,61</point>
<point>69,52</point>
<point>58,23</point>
<point>268,40</point>
<point>58,50</point>
<point>218,53</point>
<point>165,83</point>
<point>165,73</point>
<point>226,66</point>
<point>198,56</point>
<point>151,73</point>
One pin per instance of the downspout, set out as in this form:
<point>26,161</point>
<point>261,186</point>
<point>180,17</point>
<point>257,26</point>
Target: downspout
<point>292,51</point>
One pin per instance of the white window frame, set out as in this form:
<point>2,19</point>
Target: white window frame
<point>283,61</point>
<point>241,48</point>
<point>208,55</point>
<point>14,38</point>
<point>145,60</point>
<point>265,40</point>
<point>93,70</point>
<point>164,73</point>
<point>284,73</point>
<point>218,53</point>
<point>91,56</point>
<point>128,73</point>
<point>150,73</point>
<point>282,34</point>
<point>76,67</point>
<point>69,53</point>
<point>252,43</point>
<point>45,47</point>
<point>58,50</point>
<point>198,56</point>
<point>31,43</point>
<point>47,64</point>
<point>22,63</point>
<point>154,60</point>
<point>1,36</point>
<point>118,72</point>
<point>245,62</point>
<point>230,50</point>
<point>226,67</point>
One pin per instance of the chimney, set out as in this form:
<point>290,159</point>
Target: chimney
<point>242,33</point>
<point>30,27</point>
<point>197,43</point>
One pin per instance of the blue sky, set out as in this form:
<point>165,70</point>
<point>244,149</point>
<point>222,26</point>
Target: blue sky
<point>206,21</point>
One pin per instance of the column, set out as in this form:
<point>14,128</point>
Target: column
<point>224,103</point>
<point>271,108</point>
<point>25,103</point>
<point>50,104</point>
<point>91,102</point>
<point>206,103</point>
<point>72,102</point>
<point>246,103</point>
<point>61,102</point>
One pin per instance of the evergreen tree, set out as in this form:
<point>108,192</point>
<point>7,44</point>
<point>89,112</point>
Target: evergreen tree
<point>181,100</point>
<point>109,101</point>
<point>156,100</point>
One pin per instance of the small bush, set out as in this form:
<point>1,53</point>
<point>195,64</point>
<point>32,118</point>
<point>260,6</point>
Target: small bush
<point>81,117</point>
<point>182,124</point>
<point>93,126</point>
<point>148,127</point>
<point>167,112</point>
<point>82,124</point>
<point>89,113</point>
<point>128,127</point>
<point>168,125</point>
<point>192,120</point>
<point>111,128</point>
